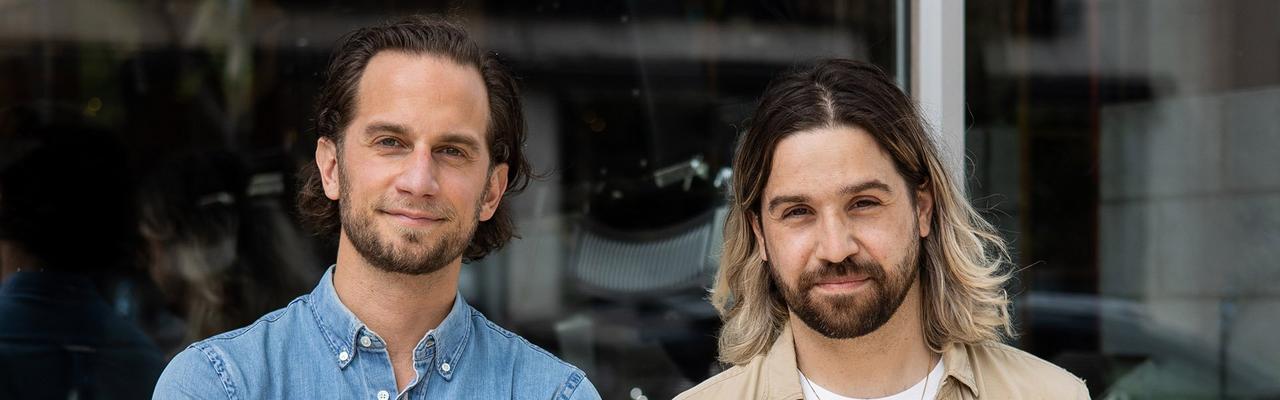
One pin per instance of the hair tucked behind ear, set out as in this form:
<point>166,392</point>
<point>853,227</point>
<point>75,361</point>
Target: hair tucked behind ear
<point>427,35</point>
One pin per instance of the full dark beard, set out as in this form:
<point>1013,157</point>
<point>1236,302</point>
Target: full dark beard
<point>853,315</point>
<point>384,255</point>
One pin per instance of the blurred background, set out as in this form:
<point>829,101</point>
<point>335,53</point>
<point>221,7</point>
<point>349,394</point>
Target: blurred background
<point>1127,148</point>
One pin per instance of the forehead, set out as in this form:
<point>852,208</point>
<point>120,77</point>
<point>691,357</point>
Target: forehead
<point>825,160</point>
<point>421,89</point>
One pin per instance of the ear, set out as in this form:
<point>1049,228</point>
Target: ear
<point>758,234</point>
<point>497,186</point>
<point>327,164</point>
<point>924,209</point>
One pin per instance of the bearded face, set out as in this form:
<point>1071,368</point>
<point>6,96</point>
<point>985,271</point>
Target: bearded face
<point>841,230</point>
<point>849,314</point>
<point>407,249</point>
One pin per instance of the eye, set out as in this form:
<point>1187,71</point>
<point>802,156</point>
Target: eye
<point>452,151</point>
<point>796,212</point>
<point>864,203</point>
<point>389,142</point>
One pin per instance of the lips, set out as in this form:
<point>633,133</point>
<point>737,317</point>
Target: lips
<point>412,214</point>
<point>843,280</point>
<point>413,217</point>
<point>842,283</point>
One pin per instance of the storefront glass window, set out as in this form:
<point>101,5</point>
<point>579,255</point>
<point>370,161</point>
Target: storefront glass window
<point>1129,149</point>
<point>632,107</point>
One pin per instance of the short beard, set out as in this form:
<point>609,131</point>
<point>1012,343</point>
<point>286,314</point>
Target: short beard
<point>851,316</point>
<point>384,255</point>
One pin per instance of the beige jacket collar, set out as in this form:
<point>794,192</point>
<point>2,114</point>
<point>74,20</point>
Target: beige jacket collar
<point>972,371</point>
<point>780,377</point>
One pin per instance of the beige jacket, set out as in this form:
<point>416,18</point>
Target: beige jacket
<point>987,371</point>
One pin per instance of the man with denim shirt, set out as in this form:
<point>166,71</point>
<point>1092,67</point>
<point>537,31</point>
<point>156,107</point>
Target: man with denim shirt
<point>421,135</point>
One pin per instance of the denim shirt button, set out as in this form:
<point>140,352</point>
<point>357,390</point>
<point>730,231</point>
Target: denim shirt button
<point>343,356</point>
<point>445,367</point>
<point>365,341</point>
<point>383,395</point>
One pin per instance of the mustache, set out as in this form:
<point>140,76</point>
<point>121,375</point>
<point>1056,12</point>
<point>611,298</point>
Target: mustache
<point>846,267</point>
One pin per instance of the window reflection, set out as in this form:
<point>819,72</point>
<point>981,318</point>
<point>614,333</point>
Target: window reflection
<point>632,108</point>
<point>1128,148</point>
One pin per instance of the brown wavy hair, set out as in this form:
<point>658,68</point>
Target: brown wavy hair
<point>962,271</point>
<point>419,34</point>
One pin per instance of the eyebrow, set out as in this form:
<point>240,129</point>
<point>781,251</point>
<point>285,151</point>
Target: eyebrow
<point>874,184</point>
<point>388,127</point>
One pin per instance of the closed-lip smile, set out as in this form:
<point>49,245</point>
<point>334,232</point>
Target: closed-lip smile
<point>842,283</point>
<point>412,216</point>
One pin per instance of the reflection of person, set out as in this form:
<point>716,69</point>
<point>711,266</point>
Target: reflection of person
<point>220,256</point>
<point>853,264</point>
<point>65,223</point>
<point>421,135</point>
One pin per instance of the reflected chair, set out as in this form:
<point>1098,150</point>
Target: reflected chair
<point>643,299</point>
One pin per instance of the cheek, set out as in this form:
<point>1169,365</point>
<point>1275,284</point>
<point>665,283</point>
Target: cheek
<point>790,251</point>
<point>366,180</point>
<point>886,242</point>
<point>352,175</point>
<point>358,191</point>
<point>463,191</point>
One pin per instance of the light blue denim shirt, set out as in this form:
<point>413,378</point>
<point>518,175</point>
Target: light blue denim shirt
<point>315,348</point>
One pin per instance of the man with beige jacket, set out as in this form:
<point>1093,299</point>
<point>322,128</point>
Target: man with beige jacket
<point>854,266</point>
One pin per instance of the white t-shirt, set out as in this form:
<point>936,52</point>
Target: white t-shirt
<point>928,386</point>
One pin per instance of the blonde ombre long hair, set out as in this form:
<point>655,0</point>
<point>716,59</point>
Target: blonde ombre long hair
<point>962,262</point>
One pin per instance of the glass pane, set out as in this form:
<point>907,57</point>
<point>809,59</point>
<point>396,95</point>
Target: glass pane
<point>1129,150</point>
<point>633,108</point>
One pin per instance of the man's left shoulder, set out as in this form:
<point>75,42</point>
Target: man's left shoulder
<point>1010,370</point>
<point>531,365</point>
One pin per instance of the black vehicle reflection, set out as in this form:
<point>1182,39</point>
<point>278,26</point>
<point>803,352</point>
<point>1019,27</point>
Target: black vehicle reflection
<point>1162,361</point>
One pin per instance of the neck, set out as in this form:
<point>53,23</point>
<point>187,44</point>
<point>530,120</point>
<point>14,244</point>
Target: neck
<point>400,308</point>
<point>886,361</point>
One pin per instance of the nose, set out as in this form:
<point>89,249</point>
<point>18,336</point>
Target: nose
<point>418,176</point>
<point>836,242</point>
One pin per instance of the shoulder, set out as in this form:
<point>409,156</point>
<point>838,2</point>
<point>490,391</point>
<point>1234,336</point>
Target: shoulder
<point>736,382</point>
<point>280,322</point>
<point>195,373</point>
<point>1004,369</point>
<point>1007,357</point>
<point>492,338</point>
<point>217,365</point>
<point>531,365</point>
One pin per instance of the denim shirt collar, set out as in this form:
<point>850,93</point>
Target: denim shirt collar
<point>342,330</point>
